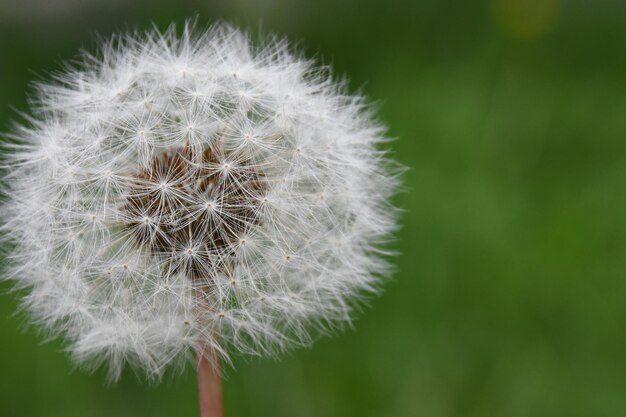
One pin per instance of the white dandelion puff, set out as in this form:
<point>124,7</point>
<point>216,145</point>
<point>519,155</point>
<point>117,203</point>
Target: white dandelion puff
<point>176,193</point>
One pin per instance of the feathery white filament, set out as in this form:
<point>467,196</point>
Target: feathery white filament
<point>175,192</point>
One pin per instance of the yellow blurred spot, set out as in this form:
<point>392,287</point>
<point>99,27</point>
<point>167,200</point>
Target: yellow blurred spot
<point>525,19</point>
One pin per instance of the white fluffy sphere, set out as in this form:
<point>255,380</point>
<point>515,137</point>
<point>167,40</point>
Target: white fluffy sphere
<point>179,192</point>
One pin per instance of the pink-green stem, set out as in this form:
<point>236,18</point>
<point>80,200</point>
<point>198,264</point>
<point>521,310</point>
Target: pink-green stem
<point>210,395</point>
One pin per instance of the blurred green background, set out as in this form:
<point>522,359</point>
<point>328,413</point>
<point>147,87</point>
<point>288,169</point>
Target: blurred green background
<point>510,294</point>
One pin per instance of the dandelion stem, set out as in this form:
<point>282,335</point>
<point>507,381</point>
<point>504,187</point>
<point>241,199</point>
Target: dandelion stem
<point>210,384</point>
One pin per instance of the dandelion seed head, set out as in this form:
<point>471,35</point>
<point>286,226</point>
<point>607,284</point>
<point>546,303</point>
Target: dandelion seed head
<point>174,192</point>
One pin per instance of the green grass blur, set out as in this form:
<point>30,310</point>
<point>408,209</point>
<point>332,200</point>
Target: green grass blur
<point>510,297</point>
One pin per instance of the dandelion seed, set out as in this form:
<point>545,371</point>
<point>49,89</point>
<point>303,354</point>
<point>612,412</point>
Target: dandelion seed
<point>234,189</point>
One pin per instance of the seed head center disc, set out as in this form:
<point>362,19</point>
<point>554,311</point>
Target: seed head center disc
<point>189,208</point>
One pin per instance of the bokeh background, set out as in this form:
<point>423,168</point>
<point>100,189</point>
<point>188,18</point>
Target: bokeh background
<point>510,295</point>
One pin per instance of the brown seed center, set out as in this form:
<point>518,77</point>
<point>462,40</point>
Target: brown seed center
<point>190,209</point>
